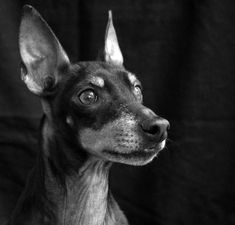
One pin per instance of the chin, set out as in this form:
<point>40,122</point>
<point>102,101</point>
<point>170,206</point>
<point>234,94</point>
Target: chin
<point>138,157</point>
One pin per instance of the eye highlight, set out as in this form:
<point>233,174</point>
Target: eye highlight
<point>138,92</point>
<point>88,97</point>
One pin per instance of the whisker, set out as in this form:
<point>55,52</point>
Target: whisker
<point>170,140</point>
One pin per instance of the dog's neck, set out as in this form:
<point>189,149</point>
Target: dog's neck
<point>84,197</point>
<point>81,197</point>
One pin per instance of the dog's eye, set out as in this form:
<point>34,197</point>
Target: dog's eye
<point>138,92</point>
<point>88,97</point>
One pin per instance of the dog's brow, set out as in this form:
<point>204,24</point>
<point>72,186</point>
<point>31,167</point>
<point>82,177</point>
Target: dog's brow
<point>132,78</point>
<point>97,81</point>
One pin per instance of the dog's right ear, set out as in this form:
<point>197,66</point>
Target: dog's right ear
<point>42,55</point>
<point>112,52</point>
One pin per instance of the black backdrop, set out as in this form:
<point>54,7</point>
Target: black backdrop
<point>183,52</point>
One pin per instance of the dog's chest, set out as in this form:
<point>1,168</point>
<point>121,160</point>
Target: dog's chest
<point>87,204</point>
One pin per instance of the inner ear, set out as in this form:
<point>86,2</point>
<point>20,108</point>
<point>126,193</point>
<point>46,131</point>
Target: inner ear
<point>112,52</point>
<point>42,54</point>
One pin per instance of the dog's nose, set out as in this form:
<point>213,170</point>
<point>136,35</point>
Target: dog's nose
<point>156,128</point>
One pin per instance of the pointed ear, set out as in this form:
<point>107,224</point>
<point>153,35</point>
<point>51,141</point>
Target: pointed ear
<point>112,52</point>
<point>41,53</point>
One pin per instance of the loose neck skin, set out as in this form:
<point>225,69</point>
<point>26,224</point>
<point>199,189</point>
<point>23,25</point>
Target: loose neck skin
<point>82,198</point>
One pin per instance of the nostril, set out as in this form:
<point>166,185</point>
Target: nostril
<point>156,128</point>
<point>153,129</point>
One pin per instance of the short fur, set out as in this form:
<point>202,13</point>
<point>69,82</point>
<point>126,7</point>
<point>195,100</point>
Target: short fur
<point>93,116</point>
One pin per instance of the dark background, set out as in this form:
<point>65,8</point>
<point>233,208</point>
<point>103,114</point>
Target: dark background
<point>183,52</point>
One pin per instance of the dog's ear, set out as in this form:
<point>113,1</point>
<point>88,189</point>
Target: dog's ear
<point>112,52</point>
<point>42,55</point>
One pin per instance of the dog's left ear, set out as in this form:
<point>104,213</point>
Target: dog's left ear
<point>112,52</point>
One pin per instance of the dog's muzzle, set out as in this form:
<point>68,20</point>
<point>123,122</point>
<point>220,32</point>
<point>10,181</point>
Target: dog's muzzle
<point>152,126</point>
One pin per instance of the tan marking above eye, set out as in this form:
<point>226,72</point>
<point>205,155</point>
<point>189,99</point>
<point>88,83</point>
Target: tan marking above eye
<point>132,78</point>
<point>97,81</point>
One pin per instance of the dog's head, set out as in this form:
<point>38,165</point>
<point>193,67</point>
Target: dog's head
<point>99,103</point>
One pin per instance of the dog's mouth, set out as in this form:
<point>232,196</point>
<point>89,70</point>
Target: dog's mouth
<point>137,157</point>
<point>121,141</point>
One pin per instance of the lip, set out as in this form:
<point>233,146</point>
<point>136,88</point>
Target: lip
<point>143,154</point>
<point>146,152</point>
<point>134,154</point>
<point>156,148</point>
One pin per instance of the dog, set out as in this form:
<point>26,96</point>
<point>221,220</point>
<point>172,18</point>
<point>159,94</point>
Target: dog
<point>93,116</point>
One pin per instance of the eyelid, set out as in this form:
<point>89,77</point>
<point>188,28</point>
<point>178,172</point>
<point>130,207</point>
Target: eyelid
<point>95,86</point>
<point>137,84</point>
<point>78,92</point>
<point>88,88</point>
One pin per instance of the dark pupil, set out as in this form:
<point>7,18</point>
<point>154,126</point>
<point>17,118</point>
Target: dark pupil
<point>87,97</point>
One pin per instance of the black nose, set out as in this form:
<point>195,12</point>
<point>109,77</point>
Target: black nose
<point>156,128</point>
